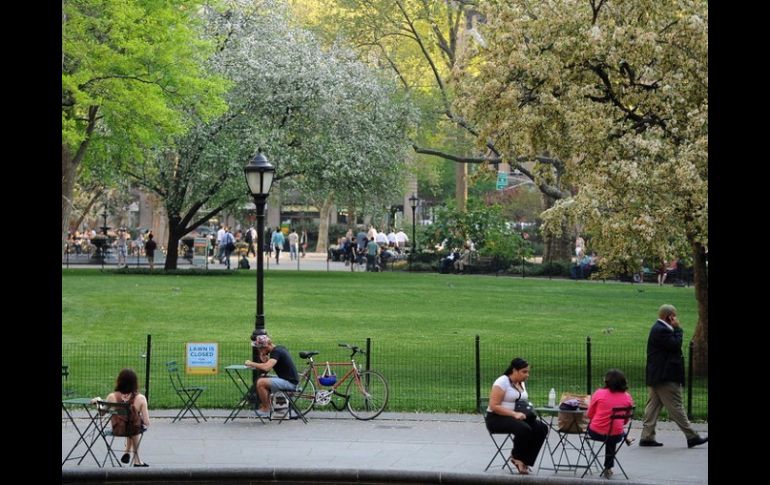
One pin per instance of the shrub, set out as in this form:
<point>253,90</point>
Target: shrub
<point>422,267</point>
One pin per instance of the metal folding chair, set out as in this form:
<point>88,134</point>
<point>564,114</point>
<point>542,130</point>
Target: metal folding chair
<point>622,413</point>
<point>291,411</point>
<point>499,450</point>
<point>108,412</point>
<point>65,373</point>
<point>188,394</point>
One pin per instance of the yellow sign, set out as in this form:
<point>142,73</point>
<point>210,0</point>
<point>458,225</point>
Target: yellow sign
<point>202,358</point>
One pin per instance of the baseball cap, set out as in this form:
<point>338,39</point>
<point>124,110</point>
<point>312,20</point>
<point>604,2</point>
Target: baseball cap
<point>260,341</point>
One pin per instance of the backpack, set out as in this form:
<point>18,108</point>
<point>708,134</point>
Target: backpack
<point>230,244</point>
<point>123,425</point>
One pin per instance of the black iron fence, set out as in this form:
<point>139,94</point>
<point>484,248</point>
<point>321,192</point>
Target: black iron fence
<point>455,379</point>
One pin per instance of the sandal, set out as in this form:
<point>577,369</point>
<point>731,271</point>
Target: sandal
<point>520,466</point>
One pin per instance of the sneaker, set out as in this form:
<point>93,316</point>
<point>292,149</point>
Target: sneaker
<point>698,440</point>
<point>262,414</point>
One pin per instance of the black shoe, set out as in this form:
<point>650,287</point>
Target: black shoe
<point>143,464</point>
<point>649,443</point>
<point>125,458</point>
<point>698,440</point>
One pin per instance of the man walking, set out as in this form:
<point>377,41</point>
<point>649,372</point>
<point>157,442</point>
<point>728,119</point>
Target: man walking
<point>665,378</point>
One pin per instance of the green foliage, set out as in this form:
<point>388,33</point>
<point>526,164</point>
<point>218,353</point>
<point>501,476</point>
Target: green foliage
<point>418,266</point>
<point>482,224</point>
<point>134,65</point>
<point>506,247</point>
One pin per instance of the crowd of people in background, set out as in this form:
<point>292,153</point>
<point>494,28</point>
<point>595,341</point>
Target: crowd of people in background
<point>371,249</point>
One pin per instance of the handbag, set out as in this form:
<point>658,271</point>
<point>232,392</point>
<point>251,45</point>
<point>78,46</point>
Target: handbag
<point>571,422</point>
<point>524,406</point>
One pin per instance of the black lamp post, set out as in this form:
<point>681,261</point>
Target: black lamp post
<point>259,177</point>
<point>413,201</point>
<point>105,226</point>
<point>105,242</point>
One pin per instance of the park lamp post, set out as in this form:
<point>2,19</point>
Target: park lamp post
<point>413,201</point>
<point>259,176</point>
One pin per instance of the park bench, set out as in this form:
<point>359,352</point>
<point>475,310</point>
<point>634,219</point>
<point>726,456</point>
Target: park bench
<point>479,264</point>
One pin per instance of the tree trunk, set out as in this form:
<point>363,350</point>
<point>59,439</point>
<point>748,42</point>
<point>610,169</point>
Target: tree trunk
<point>172,246</point>
<point>323,226</point>
<point>556,248</point>
<point>701,335</point>
<point>74,226</point>
<point>68,171</point>
<point>461,186</point>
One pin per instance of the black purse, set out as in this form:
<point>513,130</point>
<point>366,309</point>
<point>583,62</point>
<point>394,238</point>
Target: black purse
<point>524,406</point>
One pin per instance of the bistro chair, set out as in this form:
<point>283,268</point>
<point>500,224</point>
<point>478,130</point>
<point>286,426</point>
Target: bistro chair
<point>188,394</point>
<point>109,413</point>
<point>622,413</point>
<point>505,437</point>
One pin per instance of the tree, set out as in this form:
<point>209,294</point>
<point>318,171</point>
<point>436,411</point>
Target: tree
<point>617,90</point>
<point>328,123</point>
<point>427,44</point>
<point>127,67</point>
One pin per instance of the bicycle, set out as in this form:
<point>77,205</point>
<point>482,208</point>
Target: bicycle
<point>365,396</point>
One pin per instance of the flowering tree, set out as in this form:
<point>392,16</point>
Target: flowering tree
<point>326,121</point>
<point>618,92</point>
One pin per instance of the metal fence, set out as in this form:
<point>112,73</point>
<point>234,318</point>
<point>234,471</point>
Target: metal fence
<point>455,379</point>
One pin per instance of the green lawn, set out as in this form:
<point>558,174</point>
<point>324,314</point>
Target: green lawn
<point>422,327</point>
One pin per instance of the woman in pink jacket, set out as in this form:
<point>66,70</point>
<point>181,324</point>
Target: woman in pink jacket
<point>613,395</point>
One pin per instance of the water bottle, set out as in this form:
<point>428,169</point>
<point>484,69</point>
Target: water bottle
<point>552,398</point>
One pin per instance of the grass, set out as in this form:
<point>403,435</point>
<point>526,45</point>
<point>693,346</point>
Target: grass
<point>422,326</point>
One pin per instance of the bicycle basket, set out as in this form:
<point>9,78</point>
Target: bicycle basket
<point>328,378</point>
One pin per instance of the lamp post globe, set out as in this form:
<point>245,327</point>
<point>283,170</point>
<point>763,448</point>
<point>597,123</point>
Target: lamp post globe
<point>413,201</point>
<point>259,177</point>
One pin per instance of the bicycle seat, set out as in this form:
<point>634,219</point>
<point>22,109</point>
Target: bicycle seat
<point>308,354</point>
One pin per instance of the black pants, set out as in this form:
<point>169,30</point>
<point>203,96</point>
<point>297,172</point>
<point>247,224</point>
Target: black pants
<point>528,435</point>
<point>610,446</point>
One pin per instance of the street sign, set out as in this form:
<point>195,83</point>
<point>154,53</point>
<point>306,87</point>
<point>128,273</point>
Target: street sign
<point>502,180</point>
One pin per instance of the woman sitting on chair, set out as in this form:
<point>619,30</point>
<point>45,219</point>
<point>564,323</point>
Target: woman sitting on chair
<point>612,395</point>
<point>127,389</point>
<point>501,417</point>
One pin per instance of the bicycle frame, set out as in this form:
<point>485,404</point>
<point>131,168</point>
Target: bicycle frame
<point>361,399</point>
<point>312,366</point>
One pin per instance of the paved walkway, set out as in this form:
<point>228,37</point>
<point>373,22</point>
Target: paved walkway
<point>406,442</point>
<point>311,262</point>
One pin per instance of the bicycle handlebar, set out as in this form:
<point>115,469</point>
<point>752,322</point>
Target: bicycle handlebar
<point>354,348</point>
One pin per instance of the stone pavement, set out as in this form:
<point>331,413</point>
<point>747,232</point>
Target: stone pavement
<point>429,448</point>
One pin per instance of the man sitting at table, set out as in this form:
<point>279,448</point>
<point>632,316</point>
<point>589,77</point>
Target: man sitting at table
<point>277,358</point>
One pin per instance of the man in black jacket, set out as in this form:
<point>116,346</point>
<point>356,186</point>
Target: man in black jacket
<point>665,378</point>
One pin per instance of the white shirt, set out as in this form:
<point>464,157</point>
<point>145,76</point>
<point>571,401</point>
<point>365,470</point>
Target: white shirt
<point>510,393</point>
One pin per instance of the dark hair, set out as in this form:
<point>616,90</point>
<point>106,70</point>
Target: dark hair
<point>127,381</point>
<point>516,364</point>
<point>615,381</point>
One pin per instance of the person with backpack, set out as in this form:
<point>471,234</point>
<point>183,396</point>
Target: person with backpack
<point>126,391</point>
<point>228,242</point>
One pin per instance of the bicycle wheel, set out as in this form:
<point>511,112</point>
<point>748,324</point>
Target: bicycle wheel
<point>304,398</point>
<point>368,396</point>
